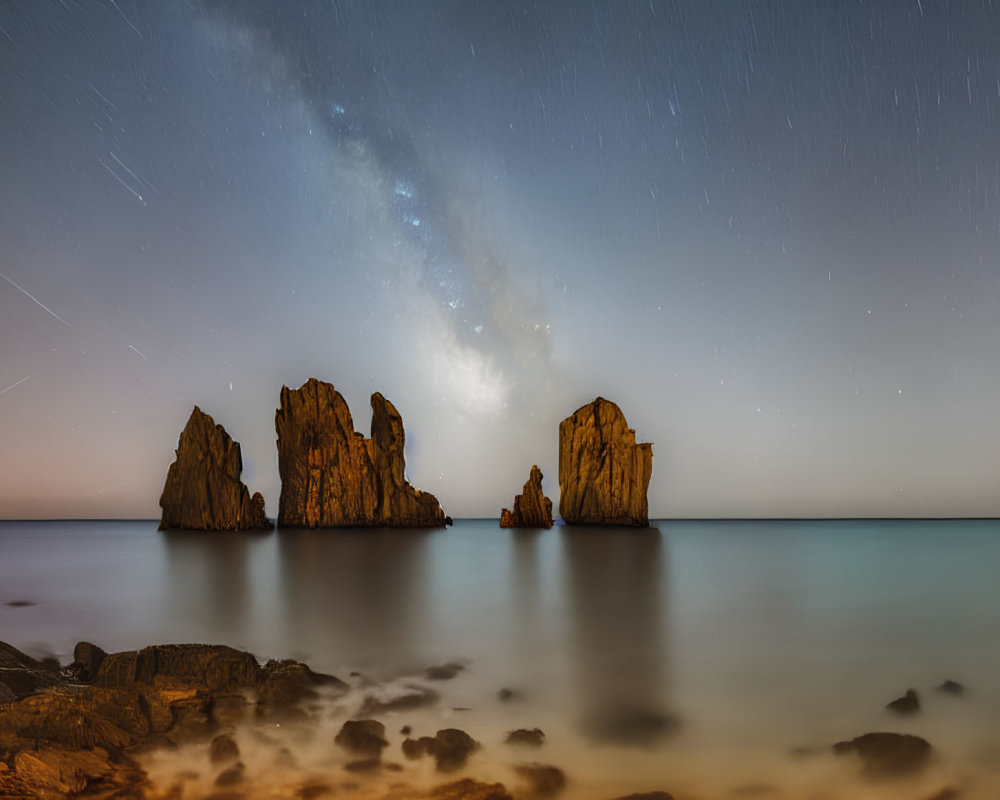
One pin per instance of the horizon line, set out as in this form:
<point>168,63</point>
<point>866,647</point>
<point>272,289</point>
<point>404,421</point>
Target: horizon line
<point>558,522</point>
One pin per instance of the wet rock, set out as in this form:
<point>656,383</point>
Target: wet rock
<point>951,687</point>
<point>362,736</point>
<point>888,755</point>
<point>203,490</point>
<point>532,509</point>
<point>233,776</point>
<point>223,749</point>
<point>397,698</point>
<point>285,684</point>
<point>332,476</point>
<point>469,789</point>
<point>533,737</point>
<point>405,730</point>
<point>76,717</point>
<point>544,779</point>
<point>211,667</point>
<point>87,660</point>
<point>50,772</point>
<point>417,748</point>
<point>451,749</point>
<point>20,603</point>
<point>21,675</point>
<point>443,672</point>
<point>907,704</point>
<point>603,472</point>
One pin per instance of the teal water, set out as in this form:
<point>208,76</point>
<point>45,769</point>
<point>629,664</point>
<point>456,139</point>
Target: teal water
<point>691,656</point>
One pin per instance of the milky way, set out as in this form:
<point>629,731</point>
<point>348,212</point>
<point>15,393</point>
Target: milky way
<point>767,230</point>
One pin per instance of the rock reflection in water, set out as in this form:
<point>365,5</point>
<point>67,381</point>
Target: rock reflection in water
<point>355,593</point>
<point>209,581</point>
<point>616,592</point>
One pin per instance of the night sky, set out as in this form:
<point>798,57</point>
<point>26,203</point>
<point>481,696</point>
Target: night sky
<point>770,231</point>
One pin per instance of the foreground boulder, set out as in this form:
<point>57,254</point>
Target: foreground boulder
<point>364,737</point>
<point>532,509</point>
<point>451,748</point>
<point>71,736</point>
<point>203,490</point>
<point>603,472</point>
<point>331,476</point>
<point>888,755</point>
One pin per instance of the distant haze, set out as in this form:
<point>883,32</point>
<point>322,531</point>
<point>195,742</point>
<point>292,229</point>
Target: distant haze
<point>769,231</point>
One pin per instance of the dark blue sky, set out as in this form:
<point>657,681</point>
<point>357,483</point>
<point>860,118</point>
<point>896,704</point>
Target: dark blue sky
<point>769,231</point>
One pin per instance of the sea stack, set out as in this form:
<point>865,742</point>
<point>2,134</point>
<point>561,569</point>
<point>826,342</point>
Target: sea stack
<point>532,509</point>
<point>203,490</point>
<point>332,476</point>
<point>603,473</point>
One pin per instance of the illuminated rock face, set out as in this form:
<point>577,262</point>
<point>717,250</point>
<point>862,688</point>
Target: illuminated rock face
<point>331,476</point>
<point>203,490</point>
<point>603,473</point>
<point>532,509</point>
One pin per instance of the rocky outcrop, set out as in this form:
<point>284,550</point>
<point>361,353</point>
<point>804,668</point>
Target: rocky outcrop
<point>203,490</point>
<point>888,755</point>
<point>332,476</point>
<point>68,736</point>
<point>532,509</point>
<point>603,472</point>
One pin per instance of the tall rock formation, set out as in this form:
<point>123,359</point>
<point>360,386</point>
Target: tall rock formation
<point>532,509</point>
<point>603,473</point>
<point>331,476</point>
<point>203,490</point>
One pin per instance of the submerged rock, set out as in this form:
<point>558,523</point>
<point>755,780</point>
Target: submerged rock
<point>443,672</point>
<point>909,703</point>
<point>888,755</point>
<point>451,748</point>
<point>203,490</point>
<point>951,687</point>
<point>286,683</point>
<point>223,749</point>
<point>364,737</point>
<point>331,476</point>
<point>603,472</point>
<point>532,509</point>
<point>532,737</point>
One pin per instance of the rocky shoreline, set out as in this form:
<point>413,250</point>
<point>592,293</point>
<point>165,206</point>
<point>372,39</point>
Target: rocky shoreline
<point>103,727</point>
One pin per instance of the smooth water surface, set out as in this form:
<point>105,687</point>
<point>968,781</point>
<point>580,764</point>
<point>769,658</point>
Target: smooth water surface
<point>691,657</point>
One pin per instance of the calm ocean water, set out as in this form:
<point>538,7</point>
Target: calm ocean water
<point>692,657</point>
